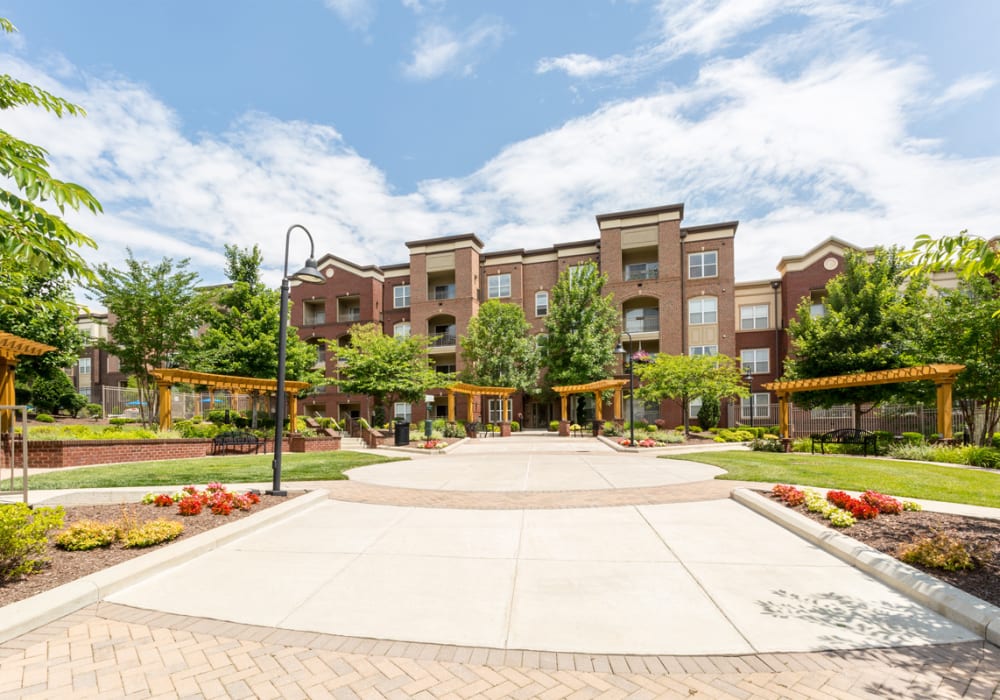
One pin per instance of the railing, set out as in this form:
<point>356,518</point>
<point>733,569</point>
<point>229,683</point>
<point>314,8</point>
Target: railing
<point>445,340</point>
<point>895,419</point>
<point>443,293</point>
<point>642,271</point>
<point>349,315</point>
<point>646,325</point>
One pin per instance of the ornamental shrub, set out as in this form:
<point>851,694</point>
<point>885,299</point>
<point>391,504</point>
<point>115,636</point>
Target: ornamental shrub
<point>94,410</point>
<point>515,427</point>
<point>913,438</point>
<point>152,533</point>
<point>47,392</point>
<point>985,457</point>
<point>72,403</point>
<point>553,425</point>
<point>189,505</point>
<point>44,418</point>
<point>23,537</point>
<point>938,552</point>
<point>709,413</point>
<point>87,534</point>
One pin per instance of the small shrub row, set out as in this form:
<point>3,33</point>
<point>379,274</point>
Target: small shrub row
<point>91,534</point>
<point>24,535</point>
<point>215,497</point>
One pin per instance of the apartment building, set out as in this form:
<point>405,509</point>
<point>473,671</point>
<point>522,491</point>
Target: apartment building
<point>673,285</point>
<point>95,368</point>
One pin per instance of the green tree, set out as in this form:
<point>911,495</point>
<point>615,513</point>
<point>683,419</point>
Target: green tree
<point>155,312</point>
<point>681,378</point>
<point>49,392</point>
<point>386,367</point>
<point>241,337</point>
<point>32,239</point>
<point>872,319</point>
<point>498,349</point>
<point>966,255</point>
<point>582,328</point>
<point>963,327</point>
<point>48,316</point>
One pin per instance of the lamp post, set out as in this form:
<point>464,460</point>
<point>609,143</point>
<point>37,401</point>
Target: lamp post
<point>309,273</point>
<point>749,377</point>
<point>620,350</point>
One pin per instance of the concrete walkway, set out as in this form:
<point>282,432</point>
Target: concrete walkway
<point>407,583</point>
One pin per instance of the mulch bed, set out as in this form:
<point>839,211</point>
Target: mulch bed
<point>889,533</point>
<point>68,566</point>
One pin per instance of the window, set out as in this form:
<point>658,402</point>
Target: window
<point>541,303</point>
<point>498,286</point>
<point>642,271</point>
<point>403,410</point>
<point>445,369</point>
<point>693,407</point>
<point>642,320</point>
<point>83,365</point>
<point>817,304</point>
<point>704,350</point>
<point>400,296</point>
<point>401,330</point>
<point>443,291</point>
<point>757,360</point>
<point>754,316</point>
<point>703,264</point>
<point>495,410</point>
<point>702,310</point>
<point>761,407</point>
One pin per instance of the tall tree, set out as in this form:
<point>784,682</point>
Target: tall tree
<point>963,327</point>
<point>873,314</point>
<point>967,255</point>
<point>241,337</point>
<point>49,317</point>
<point>682,378</point>
<point>155,312</point>
<point>32,239</point>
<point>387,367</point>
<point>498,349</point>
<point>582,328</point>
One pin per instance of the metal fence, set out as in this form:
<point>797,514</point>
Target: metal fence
<point>895,419</point>
<point>124,401</point>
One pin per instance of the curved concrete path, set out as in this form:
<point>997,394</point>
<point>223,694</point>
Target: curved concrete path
<point>625,575</point>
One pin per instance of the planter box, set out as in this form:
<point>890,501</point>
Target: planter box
<point>321,443</point>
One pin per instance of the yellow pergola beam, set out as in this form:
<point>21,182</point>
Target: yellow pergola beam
<point>10,347</point>
<point>166,378</point>
<point>943,376</point>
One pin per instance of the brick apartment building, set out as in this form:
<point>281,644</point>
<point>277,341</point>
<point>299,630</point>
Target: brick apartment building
<point>96,368</point>
<point>674,287</point>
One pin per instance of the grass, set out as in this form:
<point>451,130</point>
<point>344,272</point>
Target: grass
<point>898,478</point>
<point>317,466</point>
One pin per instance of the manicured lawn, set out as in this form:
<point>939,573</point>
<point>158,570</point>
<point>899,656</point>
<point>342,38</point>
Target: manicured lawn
<point>898,478</point>
<point>315,466</point>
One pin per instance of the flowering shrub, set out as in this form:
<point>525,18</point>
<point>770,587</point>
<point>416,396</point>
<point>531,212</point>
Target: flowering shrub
<point>910,506</point>
<point>433,445</point>
<point>789,494</point>
<point>648,442</point>
<point>884,504</point>
<point>189,505</point>
<point>163,500</point>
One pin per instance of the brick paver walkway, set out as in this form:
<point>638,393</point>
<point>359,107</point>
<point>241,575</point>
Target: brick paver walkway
<point>110,650</point>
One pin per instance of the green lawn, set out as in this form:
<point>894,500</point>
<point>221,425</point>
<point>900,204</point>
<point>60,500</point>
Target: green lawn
<point>898,478</point>
<point>313,466</point>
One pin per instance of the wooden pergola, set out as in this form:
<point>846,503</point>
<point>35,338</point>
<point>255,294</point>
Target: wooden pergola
<point>943,376</point>
<point>596,388</point>
<point>166,378</point>
<point>11,346</point>
<point>503,392</point>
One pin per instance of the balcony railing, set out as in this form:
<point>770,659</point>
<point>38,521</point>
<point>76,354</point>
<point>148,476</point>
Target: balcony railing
<point>444,340</point>
<point>350,314</point>
<point>642,271</point>
<point>443,292</point>
<point>646,325</point>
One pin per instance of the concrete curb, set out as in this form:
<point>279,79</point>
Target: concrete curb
<point>28,614</point>
<point>956,605</point>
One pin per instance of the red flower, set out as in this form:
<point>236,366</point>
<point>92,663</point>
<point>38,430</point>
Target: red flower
<point>163,500</point>
<point>190,505</point>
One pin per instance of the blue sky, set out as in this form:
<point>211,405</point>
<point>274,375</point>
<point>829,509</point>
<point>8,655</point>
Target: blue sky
<point>375,122</point>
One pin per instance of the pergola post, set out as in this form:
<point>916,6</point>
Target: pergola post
<point>617,404</point>
<point>293,411</point>
<point>451,406</point>
<point>165,405</point>
<point>597,405</point>
<point>6,393</point>
<point>944,426</point>
<point>562,404</point>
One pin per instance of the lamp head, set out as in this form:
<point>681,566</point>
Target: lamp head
<point>309,273</point>
<point>749,377</point>
<point>619,349</point>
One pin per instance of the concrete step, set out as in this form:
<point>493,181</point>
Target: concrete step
<point>352,443</point>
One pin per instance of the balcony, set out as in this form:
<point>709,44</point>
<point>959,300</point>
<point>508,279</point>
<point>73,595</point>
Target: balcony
<point>643,325</point>
<point>642,271</point>
<point>444,341</point>
<point>442,291</point>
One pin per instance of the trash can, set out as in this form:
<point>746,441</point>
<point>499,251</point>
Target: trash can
<point>402,433</point>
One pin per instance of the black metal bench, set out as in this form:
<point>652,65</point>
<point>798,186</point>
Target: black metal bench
<point>846,436</point>
<point>236,441</point>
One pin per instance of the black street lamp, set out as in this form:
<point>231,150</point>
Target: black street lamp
<point>309,273</point>
<point>749,377</point>
<point>620,350</point>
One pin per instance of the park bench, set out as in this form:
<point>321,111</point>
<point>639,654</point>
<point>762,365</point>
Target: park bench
<point>846,436</point>
<point>236,441</point>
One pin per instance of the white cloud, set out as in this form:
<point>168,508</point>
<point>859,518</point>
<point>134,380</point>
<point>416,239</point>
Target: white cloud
<point>439,51</point>
<point>580,65</point>
<point>421,6</point>
<point>357,14</point>
<point>966,87</point>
